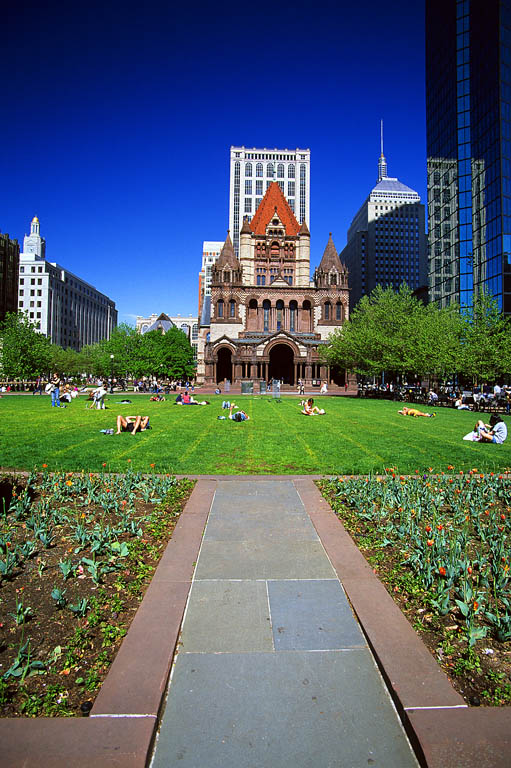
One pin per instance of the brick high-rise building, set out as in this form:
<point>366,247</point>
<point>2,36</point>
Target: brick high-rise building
<point>9,265</point>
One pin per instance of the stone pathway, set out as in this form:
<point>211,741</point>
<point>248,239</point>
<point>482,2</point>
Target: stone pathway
<point>273,669</point>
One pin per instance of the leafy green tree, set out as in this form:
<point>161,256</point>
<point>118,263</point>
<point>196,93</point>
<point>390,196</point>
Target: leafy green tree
<point>437,340</point>
<point>165,355</point>
<point>381,334</point>
<point>25,353</point>
<point>486,347</point>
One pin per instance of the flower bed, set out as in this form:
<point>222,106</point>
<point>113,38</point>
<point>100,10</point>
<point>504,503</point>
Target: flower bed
<point>76,554</point>
<point>441,545</point>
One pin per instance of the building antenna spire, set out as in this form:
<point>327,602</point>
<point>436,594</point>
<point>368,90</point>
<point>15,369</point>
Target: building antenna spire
<point>382,163</point>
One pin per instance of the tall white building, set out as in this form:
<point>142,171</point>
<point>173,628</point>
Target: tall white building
<point>66,309</point>
<point>210,252</point>
<point>251,173</point>
<point>386,239</point>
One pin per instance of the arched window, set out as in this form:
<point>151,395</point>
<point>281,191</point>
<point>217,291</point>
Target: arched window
<point>338,311</point>
<point>280,171</point>
<point>232,308</point>
<point>259,170</point>
<point>252,315</point>
<point>186,330</point>
<point>275,250</point>
<point>327,310</point>
<point>227,277</point>
<point>270,170</point>
<point>280,314</point>
<point>293,306</point>
<point>248,169</point>
<point>266,314</point>
<point>220,308</point>
<point>333,278</point>
<point>290,171</point>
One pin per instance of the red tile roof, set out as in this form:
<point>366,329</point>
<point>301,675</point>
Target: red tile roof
<point>274,199</point>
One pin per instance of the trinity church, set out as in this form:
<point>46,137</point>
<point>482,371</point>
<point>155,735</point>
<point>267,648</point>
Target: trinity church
<point>265,318</point>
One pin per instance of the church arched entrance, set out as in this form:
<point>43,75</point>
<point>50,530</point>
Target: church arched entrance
<point>224,365</point>
<point>282,363</point>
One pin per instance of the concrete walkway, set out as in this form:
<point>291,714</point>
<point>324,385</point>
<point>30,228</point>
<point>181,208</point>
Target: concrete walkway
<point>273,669</point>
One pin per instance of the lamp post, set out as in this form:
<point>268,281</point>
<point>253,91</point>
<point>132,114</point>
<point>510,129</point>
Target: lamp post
<point>111,374</point>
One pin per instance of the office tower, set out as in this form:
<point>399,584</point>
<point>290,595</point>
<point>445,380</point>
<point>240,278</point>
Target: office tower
<point>251,173</point>
<point>468,112</point>
<point>9,265</point>
<point>66,309</point>
<point>386,239</point>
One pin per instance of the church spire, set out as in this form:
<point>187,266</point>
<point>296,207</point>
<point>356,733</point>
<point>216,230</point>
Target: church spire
<point>382,163</point>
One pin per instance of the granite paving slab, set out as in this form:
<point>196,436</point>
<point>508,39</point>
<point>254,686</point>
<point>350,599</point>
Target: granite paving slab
<point>312,615</point>
<point>238,526</point>
<point>288,709</point>
<point>227,616</point>
<point>267,560</point>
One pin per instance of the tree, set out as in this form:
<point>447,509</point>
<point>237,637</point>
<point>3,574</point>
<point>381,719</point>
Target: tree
<point>25,353</point>
<point>485,349</point>
<point>437,339</point>
<point>380,334</point>
<point>392,331</point>
<point>165,354</point>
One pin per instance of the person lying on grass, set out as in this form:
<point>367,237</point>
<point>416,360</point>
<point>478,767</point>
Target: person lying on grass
<point>309,409</point>
<point>405,411</point>
<point>132,424</point>
<point>494,432</point>
<point>239,415</point>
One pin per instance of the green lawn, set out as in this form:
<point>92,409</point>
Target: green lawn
<point>354,437</point>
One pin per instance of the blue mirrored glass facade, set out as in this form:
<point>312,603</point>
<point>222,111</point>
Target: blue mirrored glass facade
<point>468,109</point>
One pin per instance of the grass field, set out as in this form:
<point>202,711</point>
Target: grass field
<point>354,437</point>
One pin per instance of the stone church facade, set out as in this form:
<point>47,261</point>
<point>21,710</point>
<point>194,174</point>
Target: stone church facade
<point>266,319</point>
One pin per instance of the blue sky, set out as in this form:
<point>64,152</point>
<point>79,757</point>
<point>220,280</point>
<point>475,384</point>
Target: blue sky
<point>118,119</point>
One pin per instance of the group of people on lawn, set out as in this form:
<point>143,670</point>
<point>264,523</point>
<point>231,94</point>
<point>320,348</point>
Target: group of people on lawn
<point>494,432</point>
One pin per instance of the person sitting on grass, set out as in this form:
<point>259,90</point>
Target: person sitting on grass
<point>157,399</point>
<point>494,432</point>
<point>405,411</point>
<point>309,409</point>
<point>239,415</point>
<point>132,424</point>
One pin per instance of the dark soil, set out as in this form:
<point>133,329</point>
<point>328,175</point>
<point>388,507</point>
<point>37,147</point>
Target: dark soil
<point>76,651</point>
<point>481,675</point>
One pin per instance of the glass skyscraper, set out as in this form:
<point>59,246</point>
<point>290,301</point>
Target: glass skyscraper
<point>468,110</point>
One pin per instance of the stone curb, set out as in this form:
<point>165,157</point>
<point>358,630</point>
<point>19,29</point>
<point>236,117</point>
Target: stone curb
<point>120,730</point>
<point>442,728</point>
